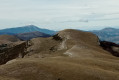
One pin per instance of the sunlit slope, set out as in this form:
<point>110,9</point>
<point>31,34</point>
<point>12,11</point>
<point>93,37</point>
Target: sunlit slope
<point>68,42</point>
<point>69,55</point>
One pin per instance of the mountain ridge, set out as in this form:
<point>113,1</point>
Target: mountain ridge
<point>108,34</point>
<point>25,29</point>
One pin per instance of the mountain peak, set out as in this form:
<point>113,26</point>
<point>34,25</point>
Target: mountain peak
<point>27,28</point>
<point>29,25</point>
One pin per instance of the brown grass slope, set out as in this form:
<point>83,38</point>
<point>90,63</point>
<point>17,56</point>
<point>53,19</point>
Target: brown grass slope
<point>10,48</point>
<point>69,55</point>
<point>8,39</point>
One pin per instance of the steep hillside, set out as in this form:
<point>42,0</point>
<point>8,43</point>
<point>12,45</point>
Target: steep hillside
<point>10,48</point>
<point>12,51</point>
<point>25,29</point>
<point>30,35</point>
<point>108,34</point>
<point>68,55</point>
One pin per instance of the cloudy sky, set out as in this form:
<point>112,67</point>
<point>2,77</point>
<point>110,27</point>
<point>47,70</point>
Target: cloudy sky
<point>60,14</point>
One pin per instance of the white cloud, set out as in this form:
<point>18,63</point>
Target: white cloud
<point>55,13</point>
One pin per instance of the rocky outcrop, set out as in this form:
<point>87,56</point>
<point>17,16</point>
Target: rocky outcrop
<point>111,47</point>
<point>57,38</point>
<point>9,53</point>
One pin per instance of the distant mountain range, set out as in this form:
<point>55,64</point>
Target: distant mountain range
<point>25,29</point>
<point>31,31</point>
<point>6,33</point>
<point>108,34</point>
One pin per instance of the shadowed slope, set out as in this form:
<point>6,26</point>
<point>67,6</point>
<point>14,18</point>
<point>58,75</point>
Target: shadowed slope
<point>30,35</point>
